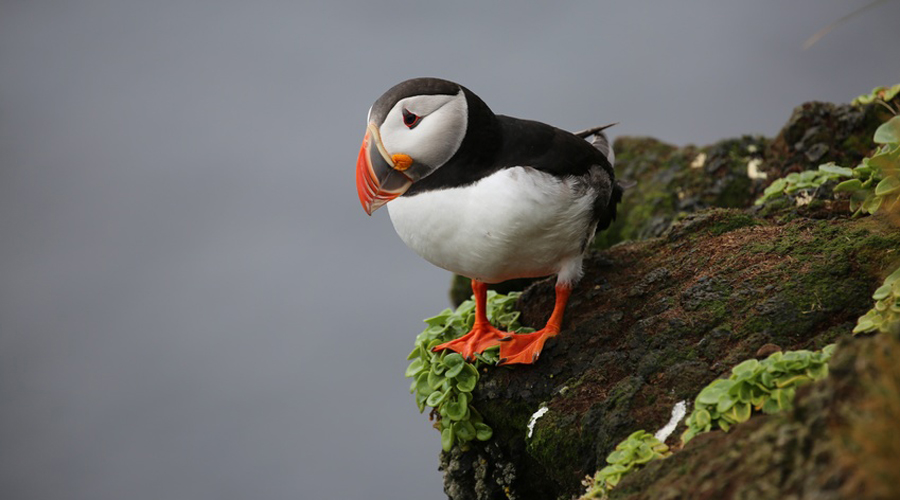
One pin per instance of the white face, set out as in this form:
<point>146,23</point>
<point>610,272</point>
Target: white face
<point>438,130</point>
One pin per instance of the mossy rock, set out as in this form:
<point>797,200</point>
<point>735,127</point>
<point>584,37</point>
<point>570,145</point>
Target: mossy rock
<point>839,441</point>
<point>671,182</point>
<point>821,132</point>
<point>654,321</point>
<point>688,282</point>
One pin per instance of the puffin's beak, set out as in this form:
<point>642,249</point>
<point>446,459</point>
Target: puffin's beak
<point>379,177</point>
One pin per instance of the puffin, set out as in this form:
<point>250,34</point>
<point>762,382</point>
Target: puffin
<point>486,196</point>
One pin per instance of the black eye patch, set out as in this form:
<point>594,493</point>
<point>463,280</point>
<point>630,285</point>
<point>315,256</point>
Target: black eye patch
<point>410,119</point>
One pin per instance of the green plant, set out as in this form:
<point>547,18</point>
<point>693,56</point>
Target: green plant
<point>879,95</point>
<point>632,453</point>
<point>808,179</point>
<point>885,316</point>
<point>873,185</point>
<point>444,381</point>
<point>766,386</point>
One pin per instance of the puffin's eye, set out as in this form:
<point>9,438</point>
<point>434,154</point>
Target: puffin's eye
<point>410,119</point>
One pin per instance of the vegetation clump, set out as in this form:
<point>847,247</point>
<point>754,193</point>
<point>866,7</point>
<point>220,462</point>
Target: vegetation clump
<point>634,452</point>
<point>885,316</point>
<point>768,386</point>
<point>880,95</point>
<point>444,380</point>
<point>873,185</point>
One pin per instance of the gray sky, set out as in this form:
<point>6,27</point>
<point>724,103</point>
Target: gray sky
<point>193,304</point>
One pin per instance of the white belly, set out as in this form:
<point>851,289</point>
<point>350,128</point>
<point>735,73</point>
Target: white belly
<point>516,223</point>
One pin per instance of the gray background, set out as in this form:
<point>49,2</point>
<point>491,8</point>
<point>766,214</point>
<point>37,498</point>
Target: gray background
<point>193,304</point>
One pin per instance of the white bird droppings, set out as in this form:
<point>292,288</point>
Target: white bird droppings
<point>538,414</point>
<point>678,413</point>
<point>699,161</point>
<point>753,170</point>
<point>803,198</point>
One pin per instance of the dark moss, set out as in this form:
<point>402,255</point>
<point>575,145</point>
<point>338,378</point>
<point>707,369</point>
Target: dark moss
<point>712,222</point>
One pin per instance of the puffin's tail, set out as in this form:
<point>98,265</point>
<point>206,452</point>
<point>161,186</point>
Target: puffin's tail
<point>601,142</point>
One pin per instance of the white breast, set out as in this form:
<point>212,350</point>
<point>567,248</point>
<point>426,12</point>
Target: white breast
<point>516,223</point>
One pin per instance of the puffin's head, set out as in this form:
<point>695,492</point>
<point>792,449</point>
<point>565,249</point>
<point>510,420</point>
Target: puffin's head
<point>413,129</point>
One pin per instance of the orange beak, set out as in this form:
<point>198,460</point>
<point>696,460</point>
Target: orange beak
<point>379,177</point>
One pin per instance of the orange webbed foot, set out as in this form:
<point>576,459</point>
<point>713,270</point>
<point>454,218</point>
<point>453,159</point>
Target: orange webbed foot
<point>524,348</point>
<point>482,336</point>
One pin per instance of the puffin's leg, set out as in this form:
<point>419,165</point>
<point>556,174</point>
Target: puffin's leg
<point>526,347</point>
<point>483,334</point>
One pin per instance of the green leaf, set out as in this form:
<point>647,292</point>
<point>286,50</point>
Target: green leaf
<point>725,402</point>
<point>483,432</point>
<point>422,386</point>
<point>831,168</point>
<point>436,398</point>
<point>740,412</point>
<point>887,185</point>
<point>617,457</point>
<point>745,369</point>
<point>643,454</point>
<point>688,434</point>
<point>885,159</point>
<point>888,132</point>
<point>702,418</point>
<point>848,185</point>
<point>467,378</point>
<point>864,324</point>
<point>414,368</point>
<point>872,203</point>
<point>758,400</point>
<point>456,410</point>
<point>817,372</point>
<point>783,398</point>
<point>890,93</point>
<point>447,439</point>
<point>744,392</point>
<point>454,363</point>
<point>771,404</point>
<point>792,381</point>
<point>434,380</point>
<point>420,402</point>
<point>710,394</point>
<point>882,292</point>
<point>464,430</point>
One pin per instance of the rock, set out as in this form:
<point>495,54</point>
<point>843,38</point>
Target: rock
<point>672,182</point>
<point>820,132</point>
<point>653,338</point>
<point>838,442</point>
<point>686,284</point>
